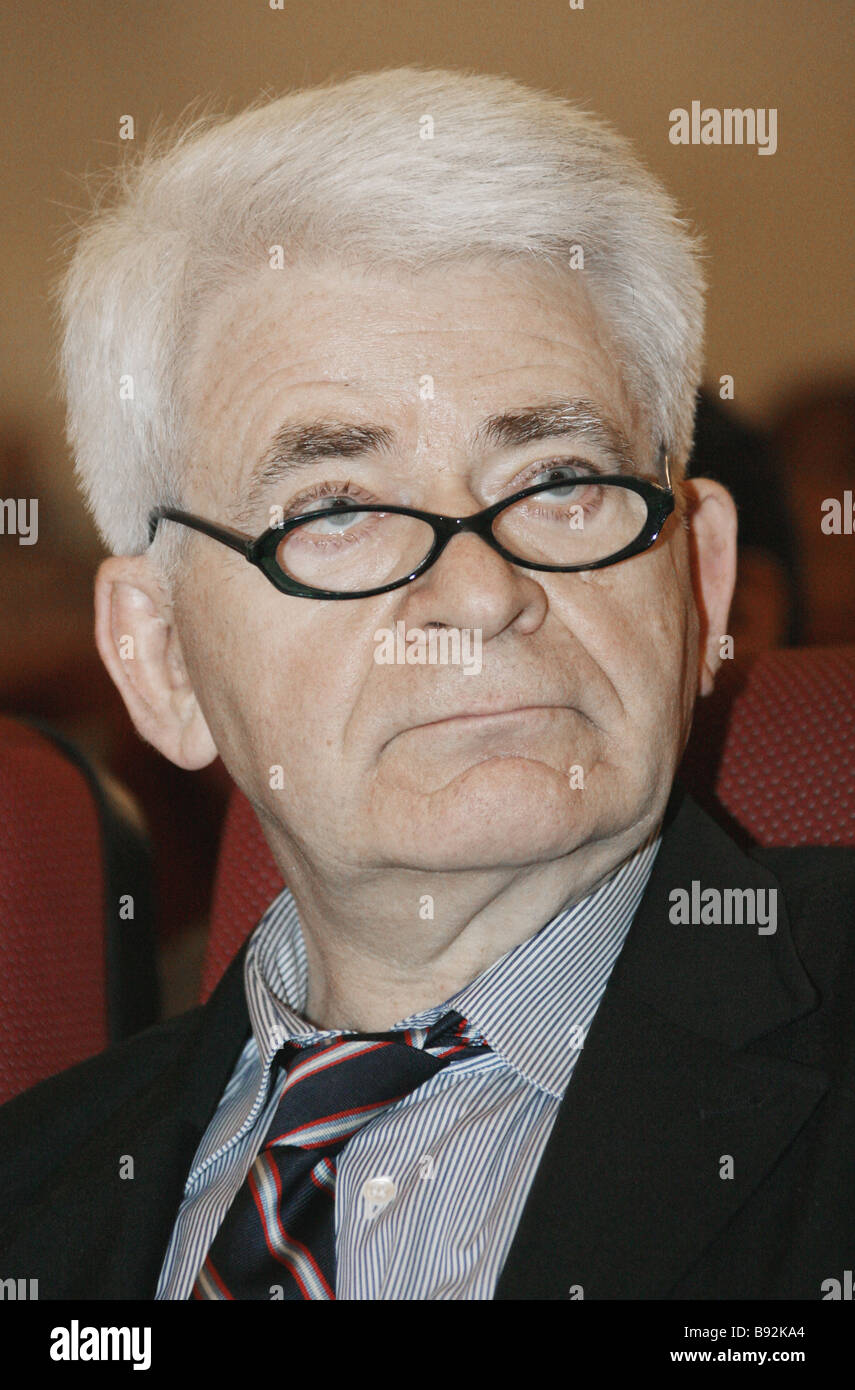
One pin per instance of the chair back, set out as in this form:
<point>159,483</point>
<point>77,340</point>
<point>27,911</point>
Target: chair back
<point>77,953</point>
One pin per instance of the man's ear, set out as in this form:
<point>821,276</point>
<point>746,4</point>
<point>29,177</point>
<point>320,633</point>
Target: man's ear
<point>712,522</point>
<point>138,642</point>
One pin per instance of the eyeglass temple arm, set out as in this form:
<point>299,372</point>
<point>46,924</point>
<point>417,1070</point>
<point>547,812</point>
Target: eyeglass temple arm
<point>665,463</point>
<point>235,539</point>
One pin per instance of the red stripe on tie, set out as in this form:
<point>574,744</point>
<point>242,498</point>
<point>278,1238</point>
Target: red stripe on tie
<point>325,1187</point>
<point>335,1061</point>
<point>336,1115</point>
<point>256,1197</point>
<point>217,1280</point>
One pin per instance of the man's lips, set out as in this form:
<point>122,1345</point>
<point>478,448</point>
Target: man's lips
<point>484,715</point>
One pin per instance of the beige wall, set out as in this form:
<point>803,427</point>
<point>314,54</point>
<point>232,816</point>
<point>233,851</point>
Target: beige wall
<point>778,228</point>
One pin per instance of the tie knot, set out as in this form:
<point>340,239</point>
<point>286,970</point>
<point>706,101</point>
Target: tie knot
<point>449,1037</point>
<point>334,1087</point>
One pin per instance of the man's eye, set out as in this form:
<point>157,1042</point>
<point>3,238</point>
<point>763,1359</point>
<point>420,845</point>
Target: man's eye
<point>317,506</point>
<point>564,475</point>
<point>559,476</point>
<point>337,525</point>
<point>325,495</point>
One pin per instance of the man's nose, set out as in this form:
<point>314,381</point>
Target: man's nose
<point>471,585</point>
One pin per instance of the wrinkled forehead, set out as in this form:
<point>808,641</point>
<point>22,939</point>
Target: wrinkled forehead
<point>430,356</point>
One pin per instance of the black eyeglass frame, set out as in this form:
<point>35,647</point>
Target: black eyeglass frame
<point>261,551</point>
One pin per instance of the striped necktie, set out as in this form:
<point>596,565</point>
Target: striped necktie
<point>279,1232</point>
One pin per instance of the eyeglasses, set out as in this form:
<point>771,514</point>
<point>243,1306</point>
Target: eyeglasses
<point>572,521</point>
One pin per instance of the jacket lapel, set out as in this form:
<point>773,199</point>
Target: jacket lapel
<point>127,1220</point>
<point>630,1189</point>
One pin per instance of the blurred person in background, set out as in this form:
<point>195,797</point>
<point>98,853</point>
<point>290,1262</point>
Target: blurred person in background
<point>813,446</point>
<point>767,602</point>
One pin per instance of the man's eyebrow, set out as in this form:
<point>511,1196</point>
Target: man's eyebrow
<point>297,446</point>
<point>579,418</point>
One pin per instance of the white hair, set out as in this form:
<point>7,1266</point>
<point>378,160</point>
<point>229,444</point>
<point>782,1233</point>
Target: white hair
<point>345,170</point>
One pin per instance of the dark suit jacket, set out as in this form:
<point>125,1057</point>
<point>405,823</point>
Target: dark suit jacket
<point>710,1041</point>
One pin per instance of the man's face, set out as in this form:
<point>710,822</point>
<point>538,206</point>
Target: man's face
<point>426,766</point>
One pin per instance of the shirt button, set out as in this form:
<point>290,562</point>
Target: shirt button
<point>378,1192</point>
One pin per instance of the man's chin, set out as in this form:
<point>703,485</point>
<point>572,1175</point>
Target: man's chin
<point>504,812</point>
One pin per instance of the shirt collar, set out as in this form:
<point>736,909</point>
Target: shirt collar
<point>534,1005</point>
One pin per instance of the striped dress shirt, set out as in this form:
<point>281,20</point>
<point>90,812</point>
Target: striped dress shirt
<point>458,1155</point>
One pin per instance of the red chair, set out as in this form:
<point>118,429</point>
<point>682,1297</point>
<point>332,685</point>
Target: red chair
<point>77,972</point>
<point>772,751</point>
<point>771,756</point>
<point>246,883</point>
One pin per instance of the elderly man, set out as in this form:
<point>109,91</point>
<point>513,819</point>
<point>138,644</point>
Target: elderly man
<point>421,349</point>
